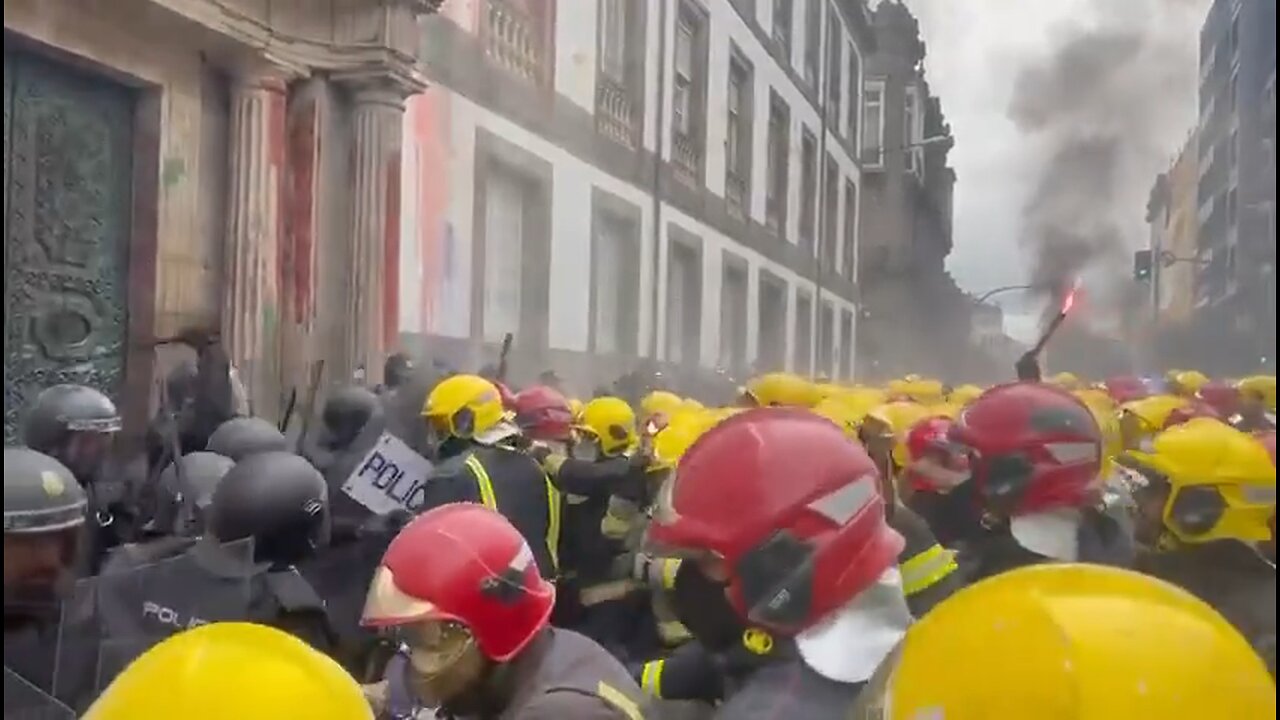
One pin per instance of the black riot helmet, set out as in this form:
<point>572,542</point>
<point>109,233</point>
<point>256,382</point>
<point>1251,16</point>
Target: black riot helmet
<point>278,499</point>
<point>44,511</point>
<point>397,370</point>
<point>75,424</point>
<point>347,412</point>
<point>241,437</point>
<point>186,491</point>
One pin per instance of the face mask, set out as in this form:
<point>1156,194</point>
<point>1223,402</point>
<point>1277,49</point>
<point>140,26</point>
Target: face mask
<point>701,606</point>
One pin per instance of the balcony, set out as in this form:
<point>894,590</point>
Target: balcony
<point>686,156</point>
<point>513,42</point>
<point>735,193</point>
<point>616,116</point>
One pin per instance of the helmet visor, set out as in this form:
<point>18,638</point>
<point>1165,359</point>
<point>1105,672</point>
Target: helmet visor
<point>444,661</point>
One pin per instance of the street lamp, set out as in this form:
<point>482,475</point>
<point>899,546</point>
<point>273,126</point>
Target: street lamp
<point>1007,288</point>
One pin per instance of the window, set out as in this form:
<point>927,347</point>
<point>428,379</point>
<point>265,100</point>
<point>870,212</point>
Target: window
<point>503,250</point>
<point>689,94</point>
<point>682,106</point>
<point>782,11</point>
<point>850,229</point>
<point>910,119</point>
<point>853,102</point>
<point>826,339</point>
<point>802,355</point>
<point>733,316</point>
<point>518,37</point>
<point>846,345</point>
<point>812,40</point>
<point>830,214</point>
<point>1233,149</point>
<point>808,189</point>
<point>775,203</point>
<point>613,39</point>
<point>772,337</point>
<point>738,133</point>
<point>834,76</point>
<point>613,237</point>
<point>873,117</point>
<point>1232,208</point>
<point>684,301</point>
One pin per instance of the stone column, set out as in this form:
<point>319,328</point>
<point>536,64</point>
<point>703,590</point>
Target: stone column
<point>373,299</point>
<point>250,281</point>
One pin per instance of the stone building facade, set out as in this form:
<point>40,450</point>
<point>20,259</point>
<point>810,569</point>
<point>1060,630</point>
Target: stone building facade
<point>228,164</point>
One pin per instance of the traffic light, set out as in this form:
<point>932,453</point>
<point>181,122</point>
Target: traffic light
<point>1142,265</point>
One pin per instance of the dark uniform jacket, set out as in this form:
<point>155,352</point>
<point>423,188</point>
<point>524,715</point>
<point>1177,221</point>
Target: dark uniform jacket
<point>510,482</point>
<point>1233,578</point>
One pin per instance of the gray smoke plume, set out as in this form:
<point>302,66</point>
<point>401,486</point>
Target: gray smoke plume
<point>1106,107</point>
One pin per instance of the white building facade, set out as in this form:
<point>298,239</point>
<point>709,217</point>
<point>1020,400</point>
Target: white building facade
<point>612,180</point>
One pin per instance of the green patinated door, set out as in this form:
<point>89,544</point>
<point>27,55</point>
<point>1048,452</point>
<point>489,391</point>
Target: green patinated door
<point>67,178</point>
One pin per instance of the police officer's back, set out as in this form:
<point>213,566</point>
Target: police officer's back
<point>473,435</point>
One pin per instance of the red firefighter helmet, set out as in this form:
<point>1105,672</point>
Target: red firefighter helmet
<point>1033,448</point>
<point>1194,408</point>
<point>543,413</point>
<point>463,563</point>
<point>1222,397</point>
<point>1126,388</point>
<point>933,462</point>
<point>790,507</point>
<point>504,393</point>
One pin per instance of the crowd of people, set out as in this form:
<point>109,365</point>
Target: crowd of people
<point>1046,548</point>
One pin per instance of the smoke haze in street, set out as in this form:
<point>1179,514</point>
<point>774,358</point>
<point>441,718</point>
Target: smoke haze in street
<point>1067,111</point>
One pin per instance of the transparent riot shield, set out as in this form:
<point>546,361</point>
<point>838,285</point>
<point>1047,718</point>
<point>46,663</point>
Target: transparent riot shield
<point>111,619</point>
<point>24,701</point>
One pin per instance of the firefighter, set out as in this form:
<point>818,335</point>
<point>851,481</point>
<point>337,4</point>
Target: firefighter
<point>545,418</point>
<point>1185,383</point>
<point>934,483</point>
<point>475,440</point>
<point>460,589</point>
<point>1209,498</point>
<point>1141,419</point>
<point>241,437</point>
<point>1070,641</point>
<point>232,670</point>
<point>77,425</point>
<point>1035,457</point>
<point>1257,403</point>
<point>803,576</point>
<point>602,466</point>
<point>780,389</point>
<point>44,517</point>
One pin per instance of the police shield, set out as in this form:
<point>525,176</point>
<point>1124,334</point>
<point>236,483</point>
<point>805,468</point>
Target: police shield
<point>24,701</point>
<point>111,619</point>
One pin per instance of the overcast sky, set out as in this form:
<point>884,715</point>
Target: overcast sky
<point>976,48</point>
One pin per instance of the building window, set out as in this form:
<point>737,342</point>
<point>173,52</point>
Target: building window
<point>1232,208</point>
<point>808,189</point>
<point>846,345</point>
<point>853,102</point>
<point>834,75</point>
<point>687,105</point>
<point>812,40</point>
<point>620,83</point>
<point>614,318</point>
<point>782,11</point>
<point>772,336</point>
<point>826,339</point>
<point>873,119</point>
<point>684,304</point>
<point>830,214</point>
<point>850,228</point>
<point>775,202</point>
<point>504,252</point>
<point>517,36</point>
<point>910,121</point>
<point>738,134</point>
<point>733,316</point>
<point>802,355</point>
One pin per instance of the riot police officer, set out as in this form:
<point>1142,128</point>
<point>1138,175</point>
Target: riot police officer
<point>350,424</point>
<point>241,437</point>
<point>44,515</point>
<point>77,425</point>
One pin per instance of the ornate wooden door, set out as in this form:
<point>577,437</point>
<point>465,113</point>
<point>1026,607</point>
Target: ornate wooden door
<point>68,149</point>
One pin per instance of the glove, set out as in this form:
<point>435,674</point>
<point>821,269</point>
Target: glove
<point>539,452</point>
<point>640,460</point>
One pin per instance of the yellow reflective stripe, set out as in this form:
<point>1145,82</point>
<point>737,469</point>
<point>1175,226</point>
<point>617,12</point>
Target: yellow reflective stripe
<point>670,566</point>
<point>673,632</point>
<point>485,485</point>
<point>926,568</point>
<point>619,701</point>
<point>553,522</point>
<point>553,462</point>
<point>651,677</point>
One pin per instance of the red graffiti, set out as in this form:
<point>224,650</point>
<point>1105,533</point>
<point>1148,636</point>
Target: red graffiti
<point>304,147</point>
